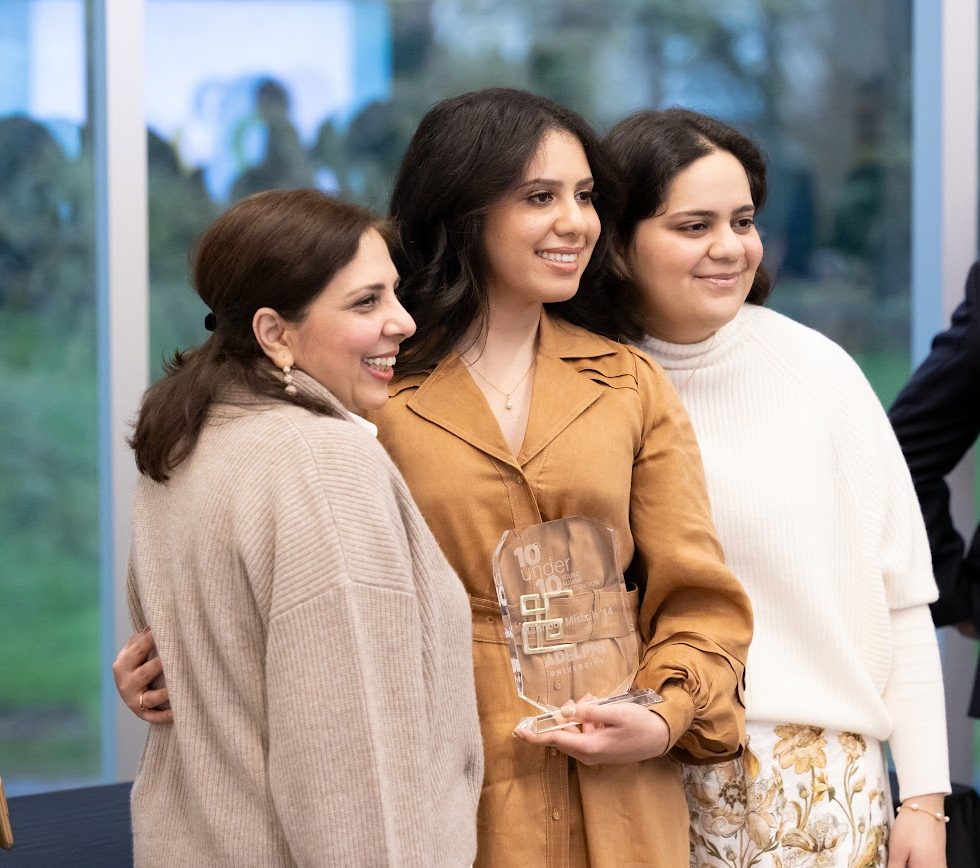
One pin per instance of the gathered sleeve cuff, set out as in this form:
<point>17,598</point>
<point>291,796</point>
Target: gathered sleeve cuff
<point>695,618</point>
<point>703,691</point>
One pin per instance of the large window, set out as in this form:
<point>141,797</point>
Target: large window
<point>244,95</point>
<point>262,94</point>
<point>49,536</point>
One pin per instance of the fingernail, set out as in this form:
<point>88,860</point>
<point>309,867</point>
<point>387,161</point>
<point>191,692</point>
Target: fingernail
<point>568,709</point>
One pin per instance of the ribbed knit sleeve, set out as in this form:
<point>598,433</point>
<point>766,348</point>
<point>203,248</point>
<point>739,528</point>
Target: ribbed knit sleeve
<point>348,759</point>
<point>914,693</point>
<point>695,618</point>
<point>915,700</point>
<point>906,564</point>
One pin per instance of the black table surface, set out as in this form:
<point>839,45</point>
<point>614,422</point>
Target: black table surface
<point>79,828</point>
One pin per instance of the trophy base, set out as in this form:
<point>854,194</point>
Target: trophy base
<point>554,720</point>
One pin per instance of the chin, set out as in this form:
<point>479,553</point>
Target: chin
<point>724,312</point>
<point>555,295</point>
<point>366,403</point>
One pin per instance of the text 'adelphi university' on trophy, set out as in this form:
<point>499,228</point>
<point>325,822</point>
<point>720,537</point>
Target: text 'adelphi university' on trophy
<point>569,620</point>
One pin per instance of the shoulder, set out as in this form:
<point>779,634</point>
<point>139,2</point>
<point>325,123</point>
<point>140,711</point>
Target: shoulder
<point>283,425</point>
<point>602,359</point>
<point>290,447</point>
<point>800,350</point>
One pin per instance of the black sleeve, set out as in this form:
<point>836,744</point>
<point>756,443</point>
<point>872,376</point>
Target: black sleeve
<point>937,418</point>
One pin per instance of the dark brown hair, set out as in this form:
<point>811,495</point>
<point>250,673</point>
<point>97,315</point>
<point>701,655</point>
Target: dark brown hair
<point>651,148</point>
<point>467,153</point>
<point>276,249</point>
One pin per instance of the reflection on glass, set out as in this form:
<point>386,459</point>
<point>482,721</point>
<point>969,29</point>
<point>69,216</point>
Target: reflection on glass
<point>49,557</point>
<point>277,94</point>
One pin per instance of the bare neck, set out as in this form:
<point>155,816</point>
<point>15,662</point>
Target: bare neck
<point>509,344</point>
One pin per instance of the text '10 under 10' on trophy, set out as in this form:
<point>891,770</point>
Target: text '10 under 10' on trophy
<point>569,620</point>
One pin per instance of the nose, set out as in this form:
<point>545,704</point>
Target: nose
<point>571,218</point>
<point>726,244</point>
<point>399,323</point>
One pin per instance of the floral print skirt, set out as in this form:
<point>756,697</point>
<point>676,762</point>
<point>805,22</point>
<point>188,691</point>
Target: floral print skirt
<point>798,796</point>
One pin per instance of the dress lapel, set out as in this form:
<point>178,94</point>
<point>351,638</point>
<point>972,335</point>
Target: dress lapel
<point>561,393</point>
<point>449,398</point>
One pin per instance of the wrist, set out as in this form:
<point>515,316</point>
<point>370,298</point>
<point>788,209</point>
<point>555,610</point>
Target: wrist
<point>929,804</point>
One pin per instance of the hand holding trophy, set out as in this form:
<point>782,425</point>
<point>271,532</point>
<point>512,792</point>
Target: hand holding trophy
<point>568,618</point>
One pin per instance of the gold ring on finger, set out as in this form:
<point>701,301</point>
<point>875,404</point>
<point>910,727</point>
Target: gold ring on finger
<point>141,701</point>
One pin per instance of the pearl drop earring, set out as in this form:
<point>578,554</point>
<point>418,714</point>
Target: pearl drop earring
<point>287,378</point>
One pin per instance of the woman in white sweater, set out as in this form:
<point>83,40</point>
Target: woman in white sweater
<point>816,512</point>
<point>316,640</point>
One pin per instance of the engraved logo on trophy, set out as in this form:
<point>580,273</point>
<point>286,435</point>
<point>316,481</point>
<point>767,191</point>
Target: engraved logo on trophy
<point>568,617</point>
<point>542,634</point>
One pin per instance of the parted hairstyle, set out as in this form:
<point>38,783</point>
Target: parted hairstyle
<point>466,155</point>
<point>650,148</point>
<point>276,249</point>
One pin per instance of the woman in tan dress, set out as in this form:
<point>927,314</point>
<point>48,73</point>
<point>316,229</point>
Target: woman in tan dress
<point>507,412</point>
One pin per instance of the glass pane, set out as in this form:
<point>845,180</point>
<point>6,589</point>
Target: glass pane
<point>49,535</point>
<point>260,95</point>
<point>272,94</point>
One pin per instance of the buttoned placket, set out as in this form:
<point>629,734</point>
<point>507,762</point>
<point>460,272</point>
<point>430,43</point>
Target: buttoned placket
<point>554,766</point>
<point>449,398</point>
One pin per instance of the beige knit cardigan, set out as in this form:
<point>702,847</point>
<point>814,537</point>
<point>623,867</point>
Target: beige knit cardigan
<point>316,645</point>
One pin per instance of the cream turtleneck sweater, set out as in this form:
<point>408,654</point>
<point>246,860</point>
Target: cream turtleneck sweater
<point>818,518</point>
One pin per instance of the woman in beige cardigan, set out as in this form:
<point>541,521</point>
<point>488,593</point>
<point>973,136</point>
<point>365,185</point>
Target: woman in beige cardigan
<point>315,639</point>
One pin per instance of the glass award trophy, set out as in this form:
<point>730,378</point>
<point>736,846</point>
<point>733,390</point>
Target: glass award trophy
<point>567,618</point>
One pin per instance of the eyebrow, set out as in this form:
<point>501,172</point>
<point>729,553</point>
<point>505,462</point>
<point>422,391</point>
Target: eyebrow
<point>551,182</point>
<point>699,213</point>
<point>371,287</point>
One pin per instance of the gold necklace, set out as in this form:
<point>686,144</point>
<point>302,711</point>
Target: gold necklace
<point>508,403</point>
<point>697,367</point>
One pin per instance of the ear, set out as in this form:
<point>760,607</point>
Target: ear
<point>273,336</point>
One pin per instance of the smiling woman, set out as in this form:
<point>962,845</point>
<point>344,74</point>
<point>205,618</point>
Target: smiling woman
<point>348,338</point>
<point>694,266</point>
<point>509,413</point>
<point>296,622</point>
<point>540,236</point>
<point>817,516</point>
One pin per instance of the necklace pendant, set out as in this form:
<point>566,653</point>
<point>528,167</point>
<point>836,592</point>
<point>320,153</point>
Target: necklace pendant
<point>508,404</point>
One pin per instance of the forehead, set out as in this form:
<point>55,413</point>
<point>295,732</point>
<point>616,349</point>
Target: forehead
<point>717,177</point>
<point>558,152</point>
<point>371,264</point>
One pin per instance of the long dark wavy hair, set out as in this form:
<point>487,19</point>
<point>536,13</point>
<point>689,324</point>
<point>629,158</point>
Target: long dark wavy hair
<point>277,249</point>
<point>650,148</point>
<point>467,153</point>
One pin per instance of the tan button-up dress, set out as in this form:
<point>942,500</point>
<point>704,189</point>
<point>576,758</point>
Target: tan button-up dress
<point>606,438</point>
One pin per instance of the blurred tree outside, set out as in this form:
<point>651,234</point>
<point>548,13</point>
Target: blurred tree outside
<point>49,536</point>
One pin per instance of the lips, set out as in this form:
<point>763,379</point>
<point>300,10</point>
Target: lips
<point>723,280</point>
